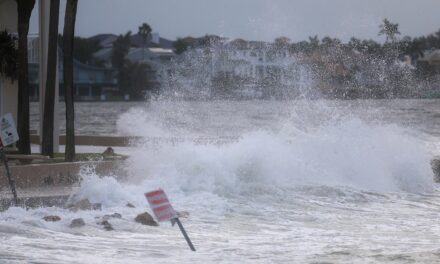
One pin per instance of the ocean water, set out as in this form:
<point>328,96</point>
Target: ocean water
<point>271,182</point>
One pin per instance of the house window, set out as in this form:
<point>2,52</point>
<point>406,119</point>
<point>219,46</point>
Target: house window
<point>92,76</point>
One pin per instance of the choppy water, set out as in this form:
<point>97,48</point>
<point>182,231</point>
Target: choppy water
<point>296,182</point>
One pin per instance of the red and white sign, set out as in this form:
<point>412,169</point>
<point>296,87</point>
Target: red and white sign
<point>160,205</point>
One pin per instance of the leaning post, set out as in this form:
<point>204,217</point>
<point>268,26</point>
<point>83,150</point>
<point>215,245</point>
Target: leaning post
<point>8,136</point>
<point>11,180</point>
<point>163,211</point>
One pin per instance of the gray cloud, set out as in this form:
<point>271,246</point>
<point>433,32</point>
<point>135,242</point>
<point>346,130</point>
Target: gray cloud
<point>256,19</point>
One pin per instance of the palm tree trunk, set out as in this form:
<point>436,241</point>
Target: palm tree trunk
<point>24,9</point>
<point>68,37</point>
<point>49,98</point>
<point>143,49</point>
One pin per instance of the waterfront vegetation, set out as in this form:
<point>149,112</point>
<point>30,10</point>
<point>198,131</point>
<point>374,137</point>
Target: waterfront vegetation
<point>8,55</point>
<point>399,67</point>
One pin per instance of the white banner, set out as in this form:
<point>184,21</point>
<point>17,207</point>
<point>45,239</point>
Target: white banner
<point>8,132</point>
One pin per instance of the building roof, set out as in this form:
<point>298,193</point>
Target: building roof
<point>104,40</point>
<point>431,57</point>
<point>136,54</point>
<point>149,54</point>
<point>435,57</point>
<point>103,54</point>
<point>100,37</point>
<point>137,41</point>
<point>161,51</point>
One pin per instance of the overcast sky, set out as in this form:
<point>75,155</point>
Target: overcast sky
<point>255,19</point>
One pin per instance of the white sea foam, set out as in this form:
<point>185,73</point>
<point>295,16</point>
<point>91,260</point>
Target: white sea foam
<point>314,185</point>
<point>343,153</point>
<point>139,122</point>
<point>350,153</point>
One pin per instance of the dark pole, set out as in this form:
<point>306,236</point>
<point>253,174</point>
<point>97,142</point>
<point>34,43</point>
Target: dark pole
<point>185,234</point>
<point>10,179</point>
<point>49,96</point>
<point>24,11</point>
<point>68,41</point>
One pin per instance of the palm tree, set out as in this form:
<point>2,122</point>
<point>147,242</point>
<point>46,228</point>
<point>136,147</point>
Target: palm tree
<point>144,32</point>
<point>390,30</point>
<point>68,40</point>
<point>24,10</point>
<point>8,55</point>
<point>49,99</point>
<point>121,46</point>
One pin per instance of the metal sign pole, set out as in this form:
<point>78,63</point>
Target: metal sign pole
<point>184,234</point>
<point>10,179</point>
<point>163,211</point>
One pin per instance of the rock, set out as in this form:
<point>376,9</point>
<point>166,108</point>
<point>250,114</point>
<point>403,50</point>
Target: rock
<point>130,205</point>
<point>109,151</point>
<point>145,219</point>
<point>435,165</point>
<point>115,215</point>
<point>103,222</point>
<point>108,227</point>
<point>52,218</point>
<point>83,204</point>
<point>77,222</point>
<point>106,224</point>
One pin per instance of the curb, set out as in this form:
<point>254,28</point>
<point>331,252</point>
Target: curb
<point>58,174</point>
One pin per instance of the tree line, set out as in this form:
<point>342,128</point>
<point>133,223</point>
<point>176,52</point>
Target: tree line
<point>359,68</point>
<point>406,45</point>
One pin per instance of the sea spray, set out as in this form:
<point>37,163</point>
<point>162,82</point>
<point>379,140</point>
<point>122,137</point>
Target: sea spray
<point>145,119</point>
<point>349,153</point>
<point>308,185</point>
